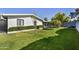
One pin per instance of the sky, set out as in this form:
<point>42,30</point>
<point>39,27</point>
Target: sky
<point>41,12</point>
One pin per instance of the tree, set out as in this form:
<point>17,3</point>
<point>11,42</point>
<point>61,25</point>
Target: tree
<point>60,18</point>
<point>67,19</point>
<point>52,18</point>
<point>56,23</point>
<point>45,19</point>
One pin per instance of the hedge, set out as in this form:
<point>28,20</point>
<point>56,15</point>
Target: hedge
<point>23,28</point>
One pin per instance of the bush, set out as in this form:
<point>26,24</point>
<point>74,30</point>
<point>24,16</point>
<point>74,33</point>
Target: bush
<point>23,28</point>
<point>56,23</point>
<point>72,27</point>
<point>40,26</point>
<point>37,27</point>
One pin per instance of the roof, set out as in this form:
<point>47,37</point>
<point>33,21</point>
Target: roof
<point>8,15</point>
<point>16,14</point>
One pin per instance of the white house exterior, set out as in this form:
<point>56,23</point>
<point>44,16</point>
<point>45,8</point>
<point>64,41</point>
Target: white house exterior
<point>17,20</point>
<point>77,23</point>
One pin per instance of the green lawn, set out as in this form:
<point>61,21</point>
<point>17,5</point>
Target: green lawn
<point>55,38</point>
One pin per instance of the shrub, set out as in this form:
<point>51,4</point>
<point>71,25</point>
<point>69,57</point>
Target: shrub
<point>72,27</point>
<point>56,23</point>
<point>37,27</point>
<point>40,26</point>
<point>23,28</point>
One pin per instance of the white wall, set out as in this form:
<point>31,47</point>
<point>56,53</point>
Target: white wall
<point>11,22</point>
<point>77,26</point>
<point>28,21</point>
<point>39,22</point>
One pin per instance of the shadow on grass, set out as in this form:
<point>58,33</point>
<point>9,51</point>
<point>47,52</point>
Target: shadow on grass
<point>67,39</point>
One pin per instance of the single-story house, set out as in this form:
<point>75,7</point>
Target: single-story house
<point>14,22</point>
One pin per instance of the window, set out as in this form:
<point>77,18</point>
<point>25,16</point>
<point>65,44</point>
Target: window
<point>35,23</point>
<point>20,22</point>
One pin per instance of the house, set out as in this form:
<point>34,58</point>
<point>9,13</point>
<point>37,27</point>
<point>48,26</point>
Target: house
<point>14,22</point>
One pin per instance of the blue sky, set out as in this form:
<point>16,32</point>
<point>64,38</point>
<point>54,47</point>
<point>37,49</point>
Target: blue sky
<point>42,12</point>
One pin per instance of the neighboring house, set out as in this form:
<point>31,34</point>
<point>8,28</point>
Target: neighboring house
<point>13,22</point>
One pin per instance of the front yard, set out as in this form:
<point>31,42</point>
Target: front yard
<point>53,39</point>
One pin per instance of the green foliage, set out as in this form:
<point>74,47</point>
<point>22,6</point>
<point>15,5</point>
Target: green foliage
<point>62,17</point>
<point>23,28</point>
<point>45,19</point>
<point>59,19</point>
<point>59,16</point>
<point>20,28</point>
<point>67,19</point>
<point>56,23</point>
<point>40,26</point>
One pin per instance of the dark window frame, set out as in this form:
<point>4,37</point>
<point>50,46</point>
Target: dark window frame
<point>20,22</point>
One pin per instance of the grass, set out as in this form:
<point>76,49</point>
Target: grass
<point>53,39</point>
